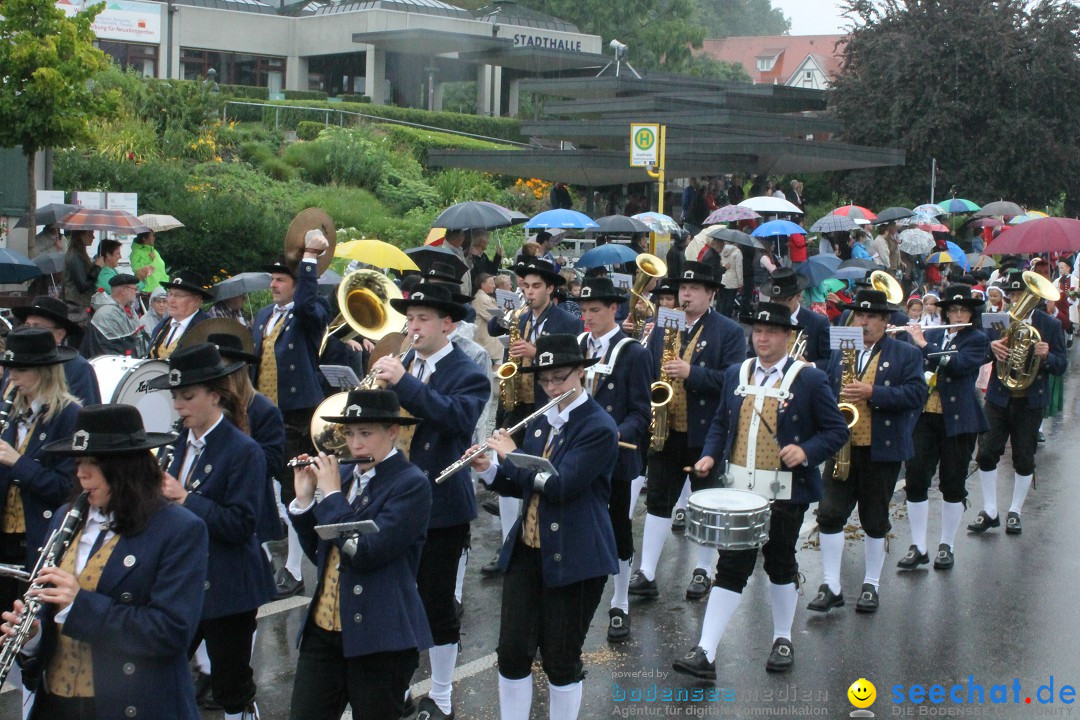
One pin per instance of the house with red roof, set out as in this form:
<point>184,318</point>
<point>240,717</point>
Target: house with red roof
<point>807,61</point>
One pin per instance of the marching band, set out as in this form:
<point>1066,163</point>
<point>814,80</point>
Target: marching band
<point>118,566</point>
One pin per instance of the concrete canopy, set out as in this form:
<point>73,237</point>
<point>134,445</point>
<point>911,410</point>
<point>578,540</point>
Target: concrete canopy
<point>535,59</point>
<point>422,41</point>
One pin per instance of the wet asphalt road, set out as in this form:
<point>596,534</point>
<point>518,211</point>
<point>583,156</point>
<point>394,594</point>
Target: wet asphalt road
<point>1007,612</point>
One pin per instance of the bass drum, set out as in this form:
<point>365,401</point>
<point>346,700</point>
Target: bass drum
<point>123,379</point>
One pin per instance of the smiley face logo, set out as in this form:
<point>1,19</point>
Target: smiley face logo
<point>862,693</point>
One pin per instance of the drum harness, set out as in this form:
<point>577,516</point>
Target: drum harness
<point>602,369</point>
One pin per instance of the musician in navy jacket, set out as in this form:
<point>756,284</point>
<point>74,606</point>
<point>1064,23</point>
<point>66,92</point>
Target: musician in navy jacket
<point>211,475</point>
<point>808,428</point>
<point>949,425</point>
<point>441,386</point>
<point>620,385</point>
<point>704,350</point>
<point>889,392</point>
<point>50,314</point>
<point>187,291</point>
<point>360,641</point>
<point>1015,416</point>
<point>785,286</point>
<point>134,607</point>
<point>557,558</point>
<point>33,484</point>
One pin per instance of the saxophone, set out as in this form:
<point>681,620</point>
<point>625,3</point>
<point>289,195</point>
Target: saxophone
<point>841,466</point>
<point>508,371</point>
<point>662,392</point>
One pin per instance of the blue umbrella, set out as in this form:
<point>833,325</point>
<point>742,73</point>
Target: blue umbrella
<point>608,254</point>
<point>819,268</point>
<point>778,227</point>
<point>16,268</point>
<point>959,256</point>
<point>561,219</point>
<point>851,273</point>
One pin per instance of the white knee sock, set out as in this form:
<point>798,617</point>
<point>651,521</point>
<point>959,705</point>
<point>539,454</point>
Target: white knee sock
<point>655,534</point>
<point>1021,485</point>
<point>832,552</point>
<point>443,659</point>
<point>620,598</point>
<point>706,559</point>
<point>681,502</point>
<point>515,698</point>
<point>509,509</point>
<point>635,489</point>
<point>783,598</point>
<point>874,551</point>
<point>917,516</point>
<point>564,701</point>
<point>292,560</point>
<point>722,605</point>
<point>202,658</point>
<point>988,478</point>
<point>951,514</point>
<point>459,582</point>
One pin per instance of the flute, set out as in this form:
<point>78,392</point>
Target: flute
<point>298,463</point>
<point>904,328</point>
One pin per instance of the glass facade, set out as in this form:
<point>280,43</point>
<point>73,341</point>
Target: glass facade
<point>234,68</point>
<point>141,58</point>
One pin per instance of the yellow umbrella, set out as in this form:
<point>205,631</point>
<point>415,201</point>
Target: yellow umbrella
<point>375,253</point>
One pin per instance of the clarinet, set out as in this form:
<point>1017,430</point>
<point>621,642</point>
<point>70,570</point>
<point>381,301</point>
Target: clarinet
<point>51,554</point>
<point>165,454</point>
<point>5,409</point>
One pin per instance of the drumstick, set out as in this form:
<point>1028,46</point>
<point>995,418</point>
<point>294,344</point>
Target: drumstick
<point>764,422</point>
<point>627,446</point>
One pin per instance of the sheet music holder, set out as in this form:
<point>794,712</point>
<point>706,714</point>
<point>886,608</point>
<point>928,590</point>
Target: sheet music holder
<point>535,463</point>
<point>340,376</point>
<point>845,338</point>
<point>346,530</point>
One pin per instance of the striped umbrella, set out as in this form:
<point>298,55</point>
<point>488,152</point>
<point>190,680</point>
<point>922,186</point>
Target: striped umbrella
<point>956,206</point>
<point>118,221</point>
<point>833,223</point>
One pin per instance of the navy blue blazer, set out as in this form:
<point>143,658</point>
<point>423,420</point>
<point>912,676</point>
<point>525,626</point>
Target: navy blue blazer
<point>297,346</point>
<point>557,322</point>
<point>956,376</point>
<point>721,343</point>
<point>268,429</point>
<point>81,381</point>
<point>624,394</point>
<point>140,620</point>
<point>1056,363</point>
<point>450,404</point>
<point>576,539</point>
<point>381,610</point>
<point>898,399</point>
<point>45,480</point>
<point>809,419</point>
<point>224,495</point>
<point>161,330</point>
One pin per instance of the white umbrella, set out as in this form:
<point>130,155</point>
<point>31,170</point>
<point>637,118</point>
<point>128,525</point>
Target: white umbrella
<point>695,246</point>
<point>769,204</point>
<point>916,242</point>
<point>160,223</point>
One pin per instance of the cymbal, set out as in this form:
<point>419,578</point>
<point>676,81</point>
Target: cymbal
<point>226,326</point>
<point>310,219</point>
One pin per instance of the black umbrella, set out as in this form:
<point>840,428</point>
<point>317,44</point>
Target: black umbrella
<point>425,255</point>
<point>733,236</point>
<point>50,263</point>
<point>620,224</point>
<point>477,215</point>
<point>1000,207</point>
<point>892,214</point>
<point>48,214</point>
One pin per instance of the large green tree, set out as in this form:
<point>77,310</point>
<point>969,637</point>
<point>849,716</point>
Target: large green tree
<point>47,63</point>
<point>988,88</point>
<point>727,18</point>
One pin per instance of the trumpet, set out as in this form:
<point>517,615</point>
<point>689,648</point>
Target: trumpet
<point>370,382</point>
<point>469,457</point>
<point>798,346</point>
<point>296,462</point>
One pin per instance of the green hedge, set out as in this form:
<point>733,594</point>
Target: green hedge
<point>307,130</point>
<point>418,141</point>
<point>304,95</point>
<point>245,92</point>
<point>502,128</point>
<point>353,98</point>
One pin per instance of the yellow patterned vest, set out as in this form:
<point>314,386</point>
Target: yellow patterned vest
<point>406,432</point>
<point>14,514</point>
<point>933,400</point>
<point>679,421</point>
<point>860,434</point>
<point>768,450</point>
<point>163,349</point>
<point>530,529</point>
<point>71,671</point>
<point>268,384</point>
<point>328,603</point>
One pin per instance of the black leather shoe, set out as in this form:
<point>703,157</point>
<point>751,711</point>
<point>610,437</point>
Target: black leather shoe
<point>782,656</point>
<point>618,629</point>
<point>287,585</point>
<point>1012,524</point>
<point>913,559</point>
<point>984,522</point>
<point>492,568</point>
<point>695,663</point>
<point>1042,438</point>
<point>203,696</point>
<point>678,521</point>
<point>826,600</point>
<point>944,559</point>
<point>491,507</point>
<point>408,708</point>
<point>428,710</point>
<point>868,600</point>
<point>643,586</point>
<point>699,585</point>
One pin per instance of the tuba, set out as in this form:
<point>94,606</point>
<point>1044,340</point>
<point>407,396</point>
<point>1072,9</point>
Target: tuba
<point>886,283</point>
<point>1019,369</point>
<point>649,267</point>
<point>364,305</point>
<point>662,392</point>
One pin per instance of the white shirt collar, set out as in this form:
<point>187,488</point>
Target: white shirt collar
<point>557,418</point>
<point>776,370</point>
<point>604,340</point>
<point>795,313</point>
<point>281,309</point>
<point>96,518</point>
<point>185,322</point>
<point>432,360</point>
<point>200,442</point>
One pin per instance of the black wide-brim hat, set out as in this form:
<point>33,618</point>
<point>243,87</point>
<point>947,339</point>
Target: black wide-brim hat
<point>34,347</point>
<point>959,294</point>
<point>1013,281</point>
<point>281,265</point>
<point>600,289</point>
<point>770,313</point>
<point>697,272</point>
<point>784,283</point>
<point>666,286</point>
<point>541,267</point>
<point>194,365</point>
<point>432,295</point>
<point>558,351</point>
<point>371,406</point>
<point>231,347</point>
<point>190,281</point>
<point>112,429</point>
<point>870,301</point>
<point>50,308</point>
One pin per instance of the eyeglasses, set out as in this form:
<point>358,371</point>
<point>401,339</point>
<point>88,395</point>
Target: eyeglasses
<point>548,380</point>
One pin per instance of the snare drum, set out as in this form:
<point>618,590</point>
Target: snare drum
<point>727,519</point>
<point>123,379</point>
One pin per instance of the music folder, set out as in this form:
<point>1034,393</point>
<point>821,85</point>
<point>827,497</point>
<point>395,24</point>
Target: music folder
<point>348,529</point>
<point>535,463</point>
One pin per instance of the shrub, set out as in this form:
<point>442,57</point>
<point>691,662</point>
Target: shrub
<point>125,138</point>
<point>353,98</point>
<point>256,153</point>
<point>304,95</point>
<point>244,92</point>
<point>418,141</point>
<point>454,186</point>
<point>307,130</point>
<point>278,169</point>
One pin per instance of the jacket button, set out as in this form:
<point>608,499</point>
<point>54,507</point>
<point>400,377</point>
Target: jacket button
<point>888,442</point>
<point>129,561</point>
<point>130,711</point>
<point>886,383</point>
<point>554,527</point>
<point>129,668</point>
<point>888,423</point>
<point>290,346</point>
<point>125,597</point>
<point>794,418</point>
<point>557,557</point>
<point>427,446</point>
<point>955,417</point>
<point>702,363</point>
<point>292,390</point>
<point>701,402</point>
<point>292,367</point>
<point>47,514</point>
<point>948,379</point>
<point>206,585</point>
<point>357,618</point>
<point>357,589</point>
<point>608,408</point>
<point>796,438</point>
<point>611,386</point>
<point>952,398</point>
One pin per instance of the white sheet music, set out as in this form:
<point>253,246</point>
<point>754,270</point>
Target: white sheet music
<point>506,299</point>
<point>340,376</point>
<point>845,338</point>
<point>671,319</point>
<point>622,281</point>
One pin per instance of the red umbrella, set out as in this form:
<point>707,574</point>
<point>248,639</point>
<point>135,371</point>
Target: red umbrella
<point>1050,234</point>
<point>932,227</point>
<point>855,212</point>
<point>985,222</point>
<point>118,221</point>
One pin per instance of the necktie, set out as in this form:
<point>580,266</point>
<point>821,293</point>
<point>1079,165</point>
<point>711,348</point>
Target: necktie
<point>195,448</point>
<point>594,348</point>
<point>103,530</point>
<point>172,332</point>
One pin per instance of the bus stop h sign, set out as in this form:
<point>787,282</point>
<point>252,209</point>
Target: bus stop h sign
<point>644,144</point>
